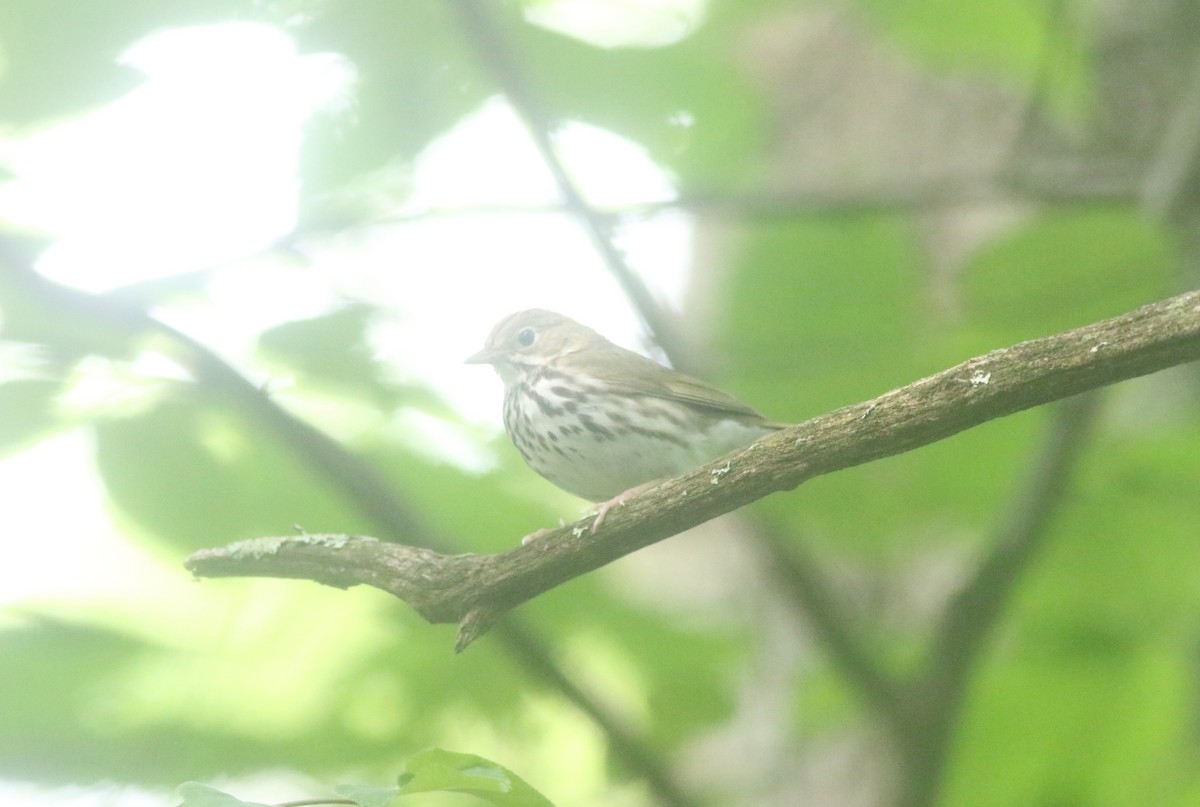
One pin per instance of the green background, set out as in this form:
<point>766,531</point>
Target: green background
<point>823,294</point>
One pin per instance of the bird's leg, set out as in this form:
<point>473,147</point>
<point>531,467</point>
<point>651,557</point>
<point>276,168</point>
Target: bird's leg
<point>601,511</point>
<point>619,500</point>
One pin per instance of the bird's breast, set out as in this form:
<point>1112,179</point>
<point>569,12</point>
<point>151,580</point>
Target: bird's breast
<point>595,442</point>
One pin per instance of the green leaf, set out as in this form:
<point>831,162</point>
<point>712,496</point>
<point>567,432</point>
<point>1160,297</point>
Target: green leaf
<point>415,82</point>
<point>1001,36</point>
<point>194,794</point>
<point>192,474</point>
<point>27,412</point>
<point>368,796</point>
<point>47,680</point>
<point>331,348</point>
<point>1103,259</point>
<point>576,82</point>
<point>436,769</point>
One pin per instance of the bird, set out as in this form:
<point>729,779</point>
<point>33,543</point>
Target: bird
<point>603,422</point>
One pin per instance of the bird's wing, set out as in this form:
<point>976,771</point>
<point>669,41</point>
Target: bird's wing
<point>635,375</point>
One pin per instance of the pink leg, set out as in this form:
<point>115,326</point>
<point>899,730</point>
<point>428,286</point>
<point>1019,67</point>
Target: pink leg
<point>619,500</point>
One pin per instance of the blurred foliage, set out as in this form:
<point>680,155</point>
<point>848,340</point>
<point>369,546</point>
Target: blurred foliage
<point>431,770</point>
<point>1087,697</point>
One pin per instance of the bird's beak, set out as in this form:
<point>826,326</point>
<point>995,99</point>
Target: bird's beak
<point>484,356</point>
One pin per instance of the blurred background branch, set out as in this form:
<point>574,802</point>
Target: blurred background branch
<point>247,248</point>
<point>353,476</point>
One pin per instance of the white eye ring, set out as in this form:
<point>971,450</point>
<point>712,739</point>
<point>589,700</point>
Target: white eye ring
<point>526,337</point>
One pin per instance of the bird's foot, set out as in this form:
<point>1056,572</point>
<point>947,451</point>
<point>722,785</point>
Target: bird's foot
<point>617,501</point>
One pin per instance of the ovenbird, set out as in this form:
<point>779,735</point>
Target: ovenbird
<point>600,421</point>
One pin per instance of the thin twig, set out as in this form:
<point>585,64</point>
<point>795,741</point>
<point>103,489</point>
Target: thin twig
<point>485,33</point>
<point>801,579</point>
<point>923,196</point>
<point>634,753</point>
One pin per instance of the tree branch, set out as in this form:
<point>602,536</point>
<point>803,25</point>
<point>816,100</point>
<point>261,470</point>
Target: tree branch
<point>126,322</point>
<point>1105,186</point>
<point>803,581</point>
<point>474,590</point>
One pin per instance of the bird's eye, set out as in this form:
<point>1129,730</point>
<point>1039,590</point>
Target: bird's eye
<point>525,338</point>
